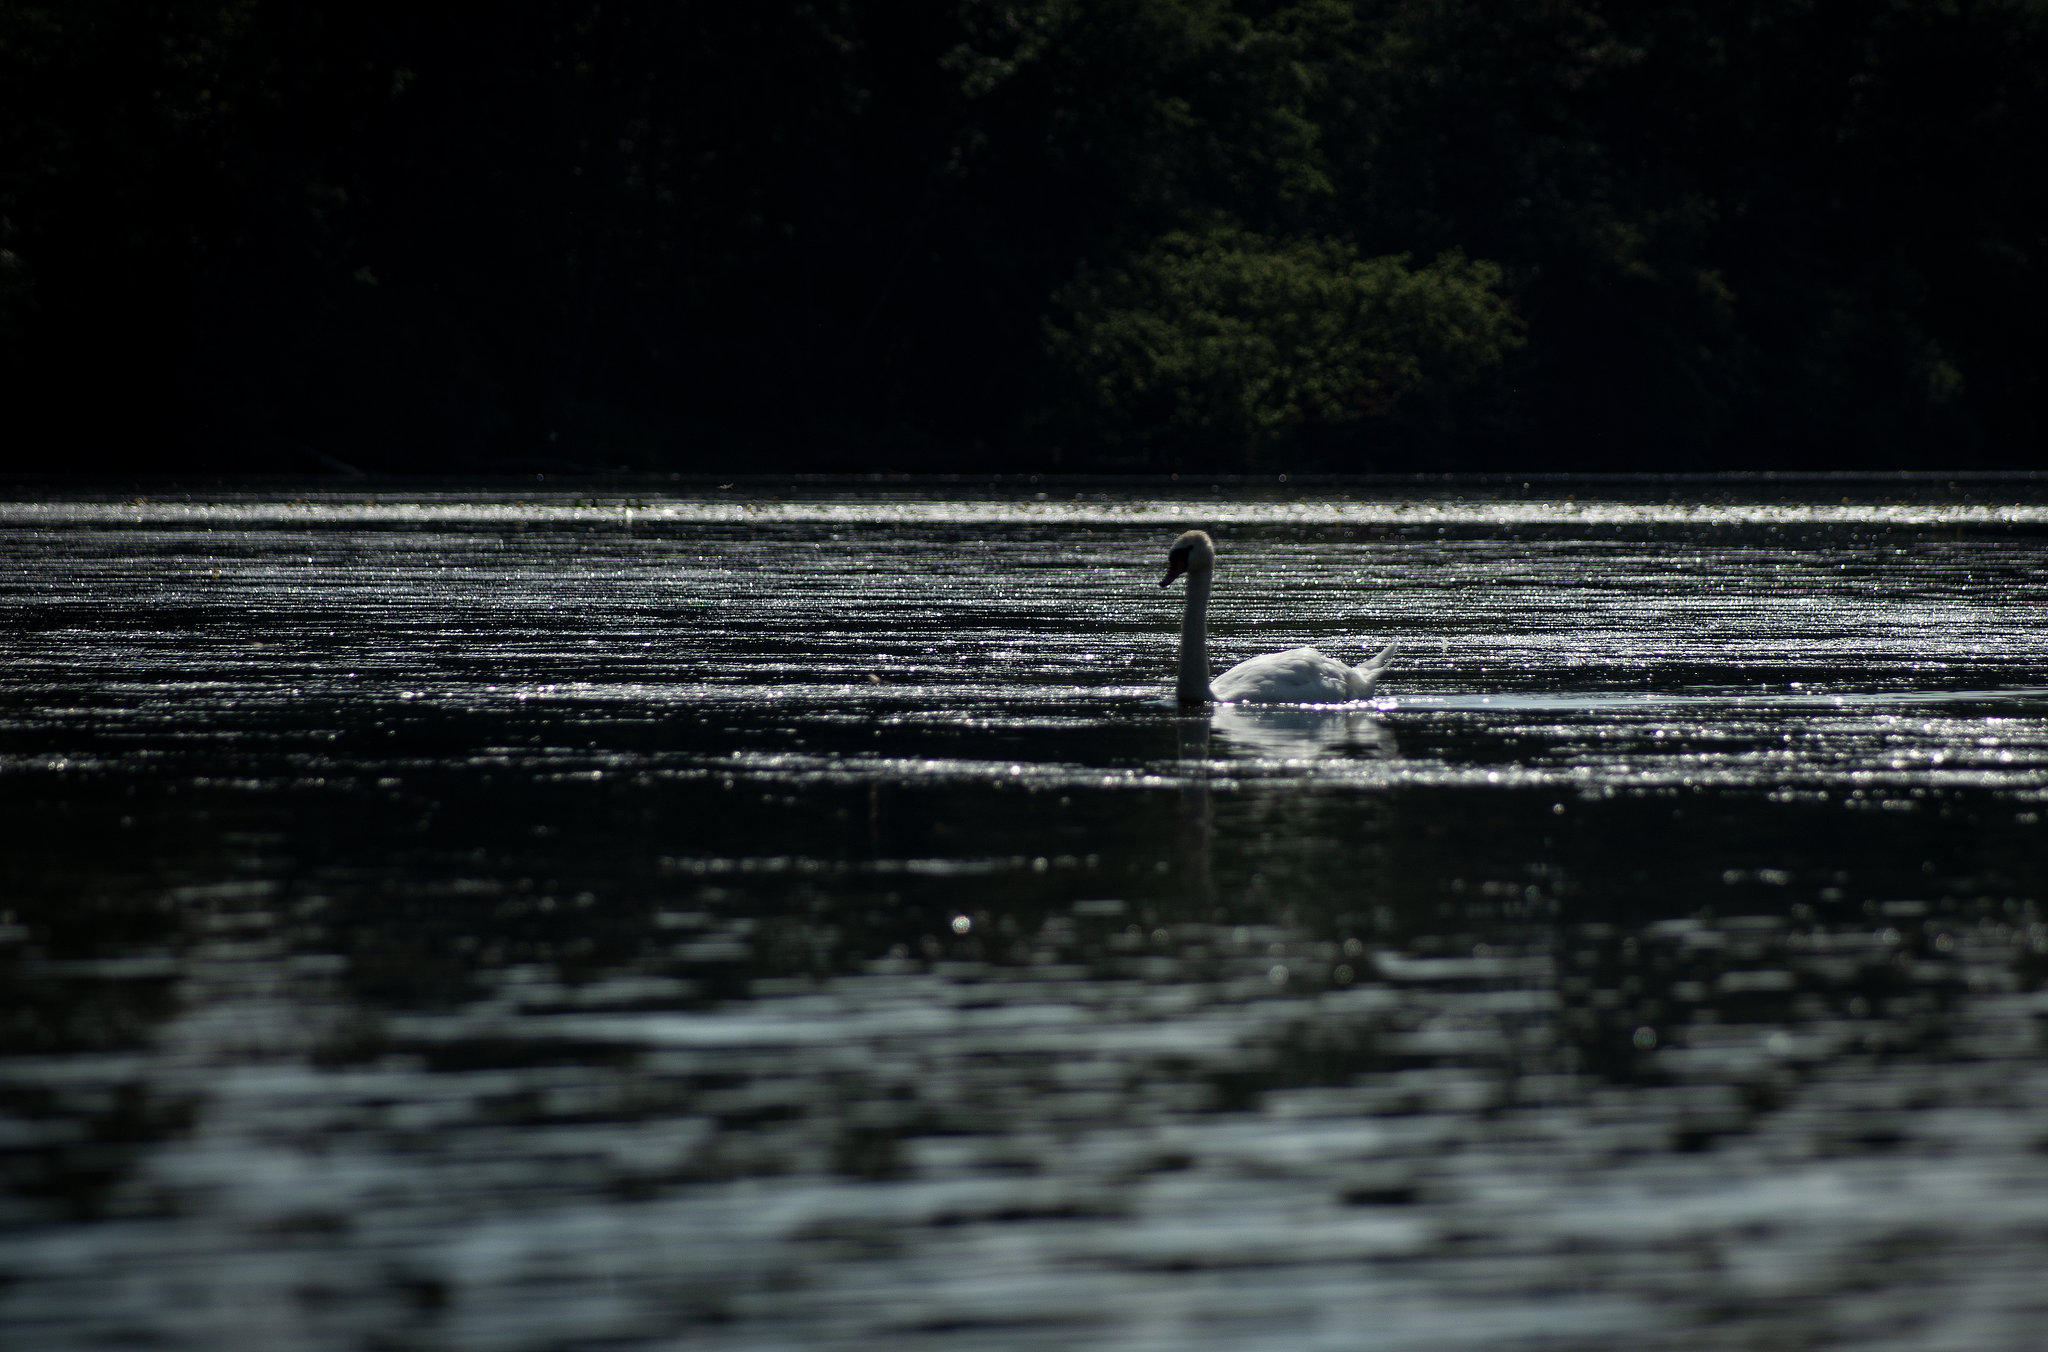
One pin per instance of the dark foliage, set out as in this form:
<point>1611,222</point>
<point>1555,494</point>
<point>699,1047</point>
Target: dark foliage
<point>848,234</point>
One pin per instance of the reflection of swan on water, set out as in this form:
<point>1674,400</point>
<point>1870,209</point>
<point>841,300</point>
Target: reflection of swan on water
<point>1298,734</point>
<point>1297,676</point>
<point>1197,817</point>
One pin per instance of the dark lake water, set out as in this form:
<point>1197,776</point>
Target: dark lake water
<point>726,919</point>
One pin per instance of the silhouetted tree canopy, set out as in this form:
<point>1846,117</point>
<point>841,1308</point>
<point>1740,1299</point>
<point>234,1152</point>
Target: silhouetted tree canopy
<point>1023,234</point>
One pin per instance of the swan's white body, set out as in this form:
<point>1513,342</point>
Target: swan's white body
<point>1297,676</point>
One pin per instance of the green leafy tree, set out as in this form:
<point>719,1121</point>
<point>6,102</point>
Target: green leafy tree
<point>862,234</point>
<point>1207,348</point>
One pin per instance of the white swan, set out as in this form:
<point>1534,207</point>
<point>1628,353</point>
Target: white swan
<point>1297,676</point>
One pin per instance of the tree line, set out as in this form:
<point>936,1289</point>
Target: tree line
<point>1026,235</point>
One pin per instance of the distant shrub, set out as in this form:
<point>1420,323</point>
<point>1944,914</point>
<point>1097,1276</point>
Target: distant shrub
<point>1212,346</point>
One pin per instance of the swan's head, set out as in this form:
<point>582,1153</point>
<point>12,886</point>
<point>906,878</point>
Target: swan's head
<point>1192,553</point>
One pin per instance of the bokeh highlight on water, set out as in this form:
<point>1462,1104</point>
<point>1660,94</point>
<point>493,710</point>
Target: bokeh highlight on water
<point>732,918</point>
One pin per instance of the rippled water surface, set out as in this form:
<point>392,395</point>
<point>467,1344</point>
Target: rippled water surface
<point>726,919</point>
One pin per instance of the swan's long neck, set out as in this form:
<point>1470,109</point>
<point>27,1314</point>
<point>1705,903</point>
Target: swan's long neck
<point>1193,682</point>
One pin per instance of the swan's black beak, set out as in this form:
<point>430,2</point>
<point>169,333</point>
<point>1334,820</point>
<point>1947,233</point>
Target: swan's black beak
<point>1176,564</point>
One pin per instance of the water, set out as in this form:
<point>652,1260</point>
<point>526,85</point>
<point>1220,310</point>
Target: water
<point>723,919</point>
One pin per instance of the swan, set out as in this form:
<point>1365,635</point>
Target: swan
<point>1297,676</point>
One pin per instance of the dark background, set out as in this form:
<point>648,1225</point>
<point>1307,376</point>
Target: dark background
<point>1073,235</point>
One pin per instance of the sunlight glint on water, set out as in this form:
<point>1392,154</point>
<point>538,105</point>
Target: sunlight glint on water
<point>466,921</point>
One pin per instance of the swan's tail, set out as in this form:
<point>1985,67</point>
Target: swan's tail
<point>1363,677</point>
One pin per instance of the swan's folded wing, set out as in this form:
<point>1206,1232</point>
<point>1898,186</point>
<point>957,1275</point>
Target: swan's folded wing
<point>1297,676</point>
